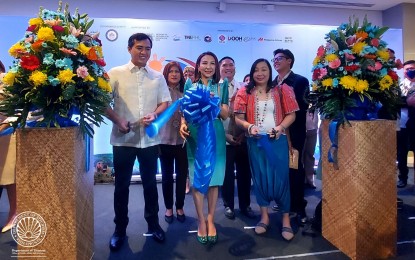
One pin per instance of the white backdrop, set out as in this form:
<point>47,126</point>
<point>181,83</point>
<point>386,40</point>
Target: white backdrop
<point>183,41</point>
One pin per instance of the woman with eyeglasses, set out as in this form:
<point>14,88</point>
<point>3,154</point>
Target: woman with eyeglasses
<point>265,111</point>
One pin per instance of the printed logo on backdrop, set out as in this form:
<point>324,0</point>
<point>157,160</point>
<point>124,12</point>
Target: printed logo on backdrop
<point>234,39</point>
<point>248,39</point>
<point>222,38</point>
<point>262,39</point>
<point>192,37</point>
<point>176,38</point>
<point>111,35</point>
<point>207,38</point>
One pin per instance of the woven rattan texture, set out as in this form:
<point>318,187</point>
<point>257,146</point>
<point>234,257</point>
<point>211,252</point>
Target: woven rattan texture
<point>51,181</point>
<point>359,199</point>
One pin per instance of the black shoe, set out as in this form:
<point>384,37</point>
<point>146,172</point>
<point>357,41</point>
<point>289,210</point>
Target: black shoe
<point>229,213</point>
<point>402,184</point>
<point>310,231</point>
<point>158,233</point>
<point>399,203</point>
<point>249,213</point>
<point>168,219</point>
<point>310,186</point>
<point>181,218</point>
<point>117,240</point>
<point>275,207</point>
<point>302,220</point>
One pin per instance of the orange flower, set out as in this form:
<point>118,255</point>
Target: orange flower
<point>370,56</point>
<point>92,55</point>
<point>361,35</point>
<point>37,45</point>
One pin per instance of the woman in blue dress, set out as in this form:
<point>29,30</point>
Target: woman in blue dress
<point>207,74</point>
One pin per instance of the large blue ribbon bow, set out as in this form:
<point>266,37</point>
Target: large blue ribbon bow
<point>199,108</point>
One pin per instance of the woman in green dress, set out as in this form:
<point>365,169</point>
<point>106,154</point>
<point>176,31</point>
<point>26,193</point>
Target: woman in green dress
<point>207,74</point>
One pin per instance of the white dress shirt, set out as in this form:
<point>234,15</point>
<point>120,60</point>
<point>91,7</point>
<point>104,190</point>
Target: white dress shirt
<point>233,87</point>
<point>136,93</point>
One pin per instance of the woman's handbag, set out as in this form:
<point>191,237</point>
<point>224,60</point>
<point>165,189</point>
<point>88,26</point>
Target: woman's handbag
<point>294,154</point>
<point>293,158</point>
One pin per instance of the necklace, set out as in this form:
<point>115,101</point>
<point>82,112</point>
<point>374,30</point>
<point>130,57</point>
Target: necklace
<point>260,121</point>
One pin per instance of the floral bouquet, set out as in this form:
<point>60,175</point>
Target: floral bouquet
<point>354,70</point>
<point>57,72</point>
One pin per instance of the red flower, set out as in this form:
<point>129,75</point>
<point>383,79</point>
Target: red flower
<point>58,28</point>
<point>319,73</point>
<point>398,64</point>
<point>351,68</point>
<point>393,75</point>
<point>375,42</point>
<point>30,62</point>
<point>316,72</point>
<point>31,28</point>
<point>100,62</point>
<point>321,51</point>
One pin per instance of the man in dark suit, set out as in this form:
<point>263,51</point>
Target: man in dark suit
<point>283,62</point>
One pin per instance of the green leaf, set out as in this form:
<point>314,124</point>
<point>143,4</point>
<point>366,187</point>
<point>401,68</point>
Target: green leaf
<point>89,24</point>
<point>68,92</point>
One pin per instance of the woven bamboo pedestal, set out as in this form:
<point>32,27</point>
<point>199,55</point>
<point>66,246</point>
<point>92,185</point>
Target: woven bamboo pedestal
<point>52,182</point>
<point>359,199</point>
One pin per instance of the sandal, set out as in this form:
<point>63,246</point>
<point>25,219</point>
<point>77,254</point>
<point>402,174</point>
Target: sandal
<point>261,228</point>
<point>287,233</point>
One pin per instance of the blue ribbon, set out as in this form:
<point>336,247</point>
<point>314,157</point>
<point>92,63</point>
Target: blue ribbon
<point>59,120</point>
<point>333,135</point>
<point>153,129</point>
<point>199,109</point>
<point>7,131</point>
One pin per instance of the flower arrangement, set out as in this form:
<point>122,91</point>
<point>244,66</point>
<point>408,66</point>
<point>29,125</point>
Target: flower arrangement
<point>352,69</point>
<point>57,71</point>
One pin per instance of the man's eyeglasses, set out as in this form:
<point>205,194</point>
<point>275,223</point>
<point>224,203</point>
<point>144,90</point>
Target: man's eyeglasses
<point>279,58</point>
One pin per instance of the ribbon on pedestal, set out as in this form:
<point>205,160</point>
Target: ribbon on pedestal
<point>7,131</point>
<point>333,135</point>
